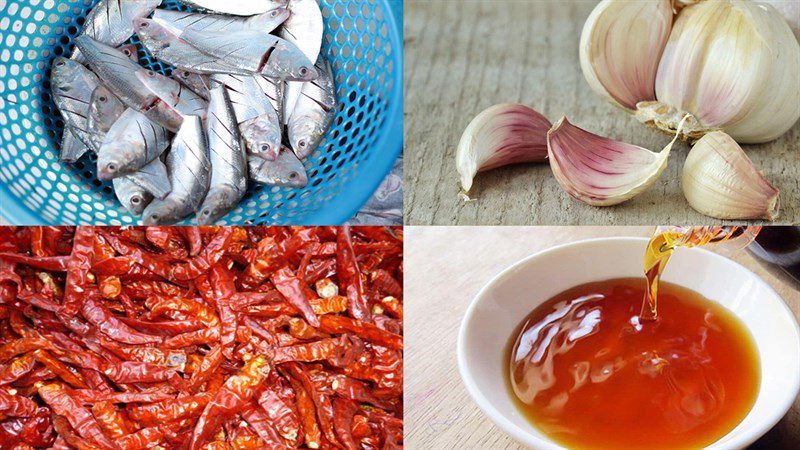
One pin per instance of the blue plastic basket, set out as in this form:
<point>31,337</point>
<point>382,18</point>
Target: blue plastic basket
<point>361,39</point>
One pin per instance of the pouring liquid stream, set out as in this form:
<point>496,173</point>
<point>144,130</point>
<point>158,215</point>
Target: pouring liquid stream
<point>664,242</point>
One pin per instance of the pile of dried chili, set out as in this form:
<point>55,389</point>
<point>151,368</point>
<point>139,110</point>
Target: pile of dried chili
<point>201,338</point>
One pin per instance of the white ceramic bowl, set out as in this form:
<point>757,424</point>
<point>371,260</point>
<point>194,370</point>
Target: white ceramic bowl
<point>510,296</point>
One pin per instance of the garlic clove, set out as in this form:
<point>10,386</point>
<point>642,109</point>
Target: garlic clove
<point>734,66</point>
<point>501,135</point>
<point>790,10</point>
<point>720,181</point>
<point>620,47</point>
<point>600,171</point>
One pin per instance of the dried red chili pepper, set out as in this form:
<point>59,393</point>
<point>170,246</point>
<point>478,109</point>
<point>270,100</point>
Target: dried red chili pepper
<point>350,274</point>
<point>14,405</point>
<point>80,418</point>
<point>167,317</point>
<point>234,395</point>
<point>78,270</point>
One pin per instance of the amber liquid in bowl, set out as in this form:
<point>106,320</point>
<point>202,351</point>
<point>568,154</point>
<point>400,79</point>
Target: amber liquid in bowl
<point>587,371</point>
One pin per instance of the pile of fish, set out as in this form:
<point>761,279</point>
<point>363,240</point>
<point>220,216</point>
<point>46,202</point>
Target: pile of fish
<point>245,102</point>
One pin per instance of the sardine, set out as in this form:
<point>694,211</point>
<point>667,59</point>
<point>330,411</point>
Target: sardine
<point>182,102</point>
<point>197,82</point>
<point>104,110</point>
<point>255,52</point>
<point>177,21</point>
<point>72,148</point>
<point>132,196</point>
<point>131,143</point>
<point>256,116</point>
<point>111,21</point>
<point>228,160</point>
<point>314,112</point>
<point>304,28</point>
<point>189,174</point>
<point>235,7</point>
<point>169,48</point>
<point>72,86</point>
<point>286,170</point>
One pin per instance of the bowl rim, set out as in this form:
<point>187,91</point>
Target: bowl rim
<point>777,412</point>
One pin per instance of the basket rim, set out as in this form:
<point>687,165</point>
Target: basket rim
<point>353,195</point>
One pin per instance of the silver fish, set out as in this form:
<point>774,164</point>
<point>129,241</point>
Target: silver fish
<point>72,86</point>
<point>116,71</point>
<point>228,160</point>
<point>131,143</point>
<point>197,82</point>
<point>314,112</point>
<point>153,178</point>
<point>72,148</point>
<point>256,116</point>
<point>182,102</point>
<point>111,21</point>
<point>255,52</point>
<point>104,110</point>
<point>304,28</point>
<point>169,48</point>
<point>177,21</point>
<point>189,174</point>
<point>286,170</point>
<point>132,196</point>
<point>235,7</point>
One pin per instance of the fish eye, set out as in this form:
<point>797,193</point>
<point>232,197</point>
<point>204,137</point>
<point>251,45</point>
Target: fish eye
<point>136,200</point>
<point>293,175</point>
<point>302,143</point>
<point>206,212</point>
<point>154,217</point>
<point>274,13</point>
<point>265,147</point>
<point>303,71</point>
<point>111,167</point>
<point>150,73</point>
<point>102,98</point>
<point>60,63</point>
<point>143,24</point>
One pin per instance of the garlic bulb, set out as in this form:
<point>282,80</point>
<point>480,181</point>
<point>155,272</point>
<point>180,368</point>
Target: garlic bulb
<point>501,135</point>
<point>615,65</point>
<point>720,181</point>
<point>600,171</point>
<point>733,65</point>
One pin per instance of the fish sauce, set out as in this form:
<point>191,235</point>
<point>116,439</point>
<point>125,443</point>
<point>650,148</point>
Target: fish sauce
<point>600,366</point>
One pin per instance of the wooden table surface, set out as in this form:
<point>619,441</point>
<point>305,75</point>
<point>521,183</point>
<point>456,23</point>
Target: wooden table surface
<point>464,56</point>
<point>445,268</point>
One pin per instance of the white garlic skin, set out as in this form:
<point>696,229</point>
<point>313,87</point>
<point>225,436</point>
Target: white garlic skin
<point>720,181</point>
<point>735,66</point>
<point>620,47</point>
<point>790,10</point>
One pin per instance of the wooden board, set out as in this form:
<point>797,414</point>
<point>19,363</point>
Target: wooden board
<point>445,269</point>
<point>464,56</point>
